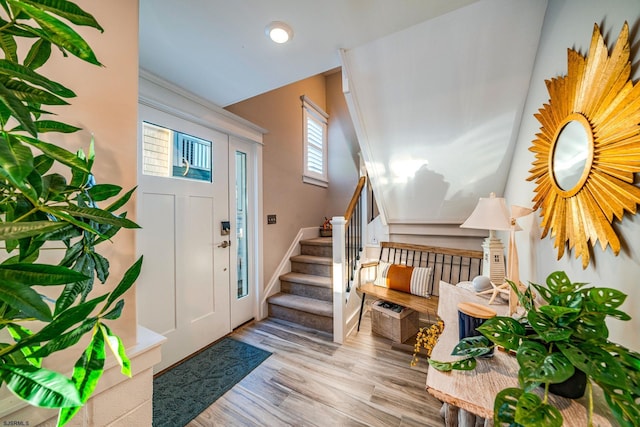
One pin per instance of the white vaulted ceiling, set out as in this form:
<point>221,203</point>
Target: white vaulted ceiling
<point>438,107</point>
<point>436,87</point>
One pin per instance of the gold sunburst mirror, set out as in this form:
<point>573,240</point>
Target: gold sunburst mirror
<point>588,150</point>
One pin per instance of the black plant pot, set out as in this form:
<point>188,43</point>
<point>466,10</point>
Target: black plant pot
<point>573,388</point>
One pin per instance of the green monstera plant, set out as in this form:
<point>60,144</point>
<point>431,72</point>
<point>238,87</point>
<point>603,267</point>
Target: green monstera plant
<point>554,341</point>
<point>49,199</point>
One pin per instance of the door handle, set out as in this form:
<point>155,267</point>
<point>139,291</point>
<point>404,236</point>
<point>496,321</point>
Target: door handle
<point>225,244</point>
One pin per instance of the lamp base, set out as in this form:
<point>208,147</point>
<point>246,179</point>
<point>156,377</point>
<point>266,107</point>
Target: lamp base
<point>493,259</point>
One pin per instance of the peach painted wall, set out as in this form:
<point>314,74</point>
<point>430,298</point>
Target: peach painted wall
<point>296,204</point>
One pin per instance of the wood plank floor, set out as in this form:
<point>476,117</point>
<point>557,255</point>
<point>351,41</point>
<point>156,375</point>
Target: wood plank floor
<point>311,381</point>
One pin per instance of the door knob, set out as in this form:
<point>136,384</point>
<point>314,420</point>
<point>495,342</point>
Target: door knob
<point>224,244</point>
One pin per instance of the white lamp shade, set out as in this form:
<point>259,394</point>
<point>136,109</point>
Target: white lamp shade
<point>490,214</point>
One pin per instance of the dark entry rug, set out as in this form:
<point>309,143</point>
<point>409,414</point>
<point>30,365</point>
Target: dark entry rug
<point>186,390</point>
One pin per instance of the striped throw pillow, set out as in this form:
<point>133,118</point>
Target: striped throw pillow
<point>413,280</point>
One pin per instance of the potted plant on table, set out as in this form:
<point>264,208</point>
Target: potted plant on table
<point>49,199</point>
<point>552,342</point>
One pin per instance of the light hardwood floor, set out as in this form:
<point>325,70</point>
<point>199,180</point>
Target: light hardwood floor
<point>311,381</point>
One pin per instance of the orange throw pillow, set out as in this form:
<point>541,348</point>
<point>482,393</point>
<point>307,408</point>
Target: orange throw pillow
<point>399,278</point>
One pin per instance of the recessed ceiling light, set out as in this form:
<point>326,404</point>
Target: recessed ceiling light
<point>279,32</point>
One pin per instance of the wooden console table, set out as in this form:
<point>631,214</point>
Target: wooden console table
<point>468,395</point>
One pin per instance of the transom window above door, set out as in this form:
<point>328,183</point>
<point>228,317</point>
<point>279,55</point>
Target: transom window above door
<point>166,152</point>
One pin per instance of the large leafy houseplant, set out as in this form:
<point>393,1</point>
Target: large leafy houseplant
<point>49,199</point>
<point>551,342</point>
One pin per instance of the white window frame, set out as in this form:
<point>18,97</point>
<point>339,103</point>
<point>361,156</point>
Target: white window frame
<point>311,112</point>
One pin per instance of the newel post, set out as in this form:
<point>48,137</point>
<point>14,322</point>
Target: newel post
<point>339,278</point>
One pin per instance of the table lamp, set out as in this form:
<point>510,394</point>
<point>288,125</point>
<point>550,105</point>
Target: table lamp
<point>491,214</point>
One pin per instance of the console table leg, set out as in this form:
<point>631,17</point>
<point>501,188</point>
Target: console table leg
<point>451,416</point>
<point>466,419</point>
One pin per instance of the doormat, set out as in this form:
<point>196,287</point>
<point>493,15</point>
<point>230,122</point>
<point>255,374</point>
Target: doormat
<point>183,392</point>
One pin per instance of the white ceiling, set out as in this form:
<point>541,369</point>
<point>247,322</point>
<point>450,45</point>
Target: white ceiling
<point>436,87</point>
<point>439,118</point>
<point>218,49</point>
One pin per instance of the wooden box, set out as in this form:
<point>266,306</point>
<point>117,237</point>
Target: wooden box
<point>397,326</point>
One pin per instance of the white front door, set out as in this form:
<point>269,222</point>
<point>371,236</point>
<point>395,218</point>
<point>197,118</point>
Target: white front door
<point>183,202</point>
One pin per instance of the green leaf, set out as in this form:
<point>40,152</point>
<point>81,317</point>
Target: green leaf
<point>101,266</point>
<point>472,346</point>
<point>59,33</point>
<point>15,158</point>
<point>26,300</point>
<point>39,274</point>
<point>9,46</point>
<point>468,364</point>
<point>19,333</point>
<point>558,282</point>
<point>441,366</point>
<point>547,329</point>
<point>40,387</point>
<point>121,201</point>
<point>86,374</point>
<point>100,192</point>
<point>20,230</point>
<point>504,331</point>
<point>54,126</point>
<point>598,364</point>
<point>17,109</point>
<point>532,412</point>
<point>623,405</point>
<point>63,156</point>
<point>13,70</point>
<point>38,54</point>
<point>563,316</point>
<point>86,265</point>
<point>98,215</point>
<point>590,326</point>
<point>32,95</point>
<point>64,216</point>
<point>504,406</point>
<point>64,321</point>
<point>42,164</point>
<point>538,365</point>
<point>118,350</point>
<point>607,299</point>
<point>68,296</point>
<point>68,11</point>
<point>127,281</point>
<point>115,312</point>
<point>53,185</point>
<point>66,339</point>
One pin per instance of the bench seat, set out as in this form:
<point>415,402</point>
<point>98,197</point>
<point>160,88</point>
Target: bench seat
<point>420,304</point>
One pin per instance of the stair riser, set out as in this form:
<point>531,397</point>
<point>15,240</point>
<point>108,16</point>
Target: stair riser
<point>309,320</point>
<point>305,290</point>
<point>316,250</point>
<point>316,269</point>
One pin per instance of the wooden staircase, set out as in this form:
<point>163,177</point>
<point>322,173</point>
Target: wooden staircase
<point>306,293</point>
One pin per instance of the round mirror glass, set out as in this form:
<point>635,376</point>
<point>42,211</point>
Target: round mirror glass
<point>570,155</point>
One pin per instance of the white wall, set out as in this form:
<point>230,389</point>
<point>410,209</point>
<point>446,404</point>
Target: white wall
<point>569,24</point>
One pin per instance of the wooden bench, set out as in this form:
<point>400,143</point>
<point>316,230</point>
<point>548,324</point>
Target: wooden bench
<point>449,265</point>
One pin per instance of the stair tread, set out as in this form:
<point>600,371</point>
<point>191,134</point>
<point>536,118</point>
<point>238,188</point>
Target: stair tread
<point>312,259</point>
<point>307,279</point>
<point>317,241</point>
<point>308,305</point>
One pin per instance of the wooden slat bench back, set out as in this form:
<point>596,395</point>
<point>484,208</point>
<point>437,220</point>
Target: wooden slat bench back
<point>447,264</point>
